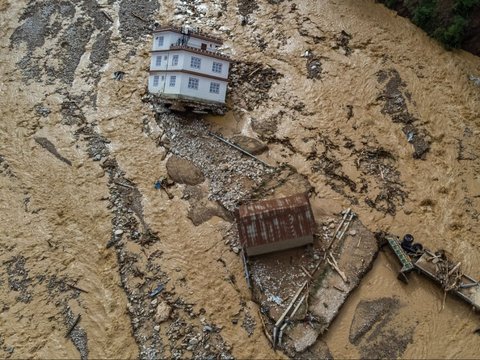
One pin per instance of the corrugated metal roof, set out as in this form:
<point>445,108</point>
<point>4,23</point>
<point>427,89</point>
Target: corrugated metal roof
<point>276,220</point>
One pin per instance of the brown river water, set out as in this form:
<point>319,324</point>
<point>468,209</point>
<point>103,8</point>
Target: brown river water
<point>56,221</point>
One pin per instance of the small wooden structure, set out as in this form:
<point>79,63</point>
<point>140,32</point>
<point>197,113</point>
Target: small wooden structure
<point>454,281</point>
<point>274,225</point>
<point>440,269</point>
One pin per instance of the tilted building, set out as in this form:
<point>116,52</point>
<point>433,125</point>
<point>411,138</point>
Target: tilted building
<point>187,64</point>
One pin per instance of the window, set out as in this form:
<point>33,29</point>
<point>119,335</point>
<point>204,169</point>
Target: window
<point>158,61</point>
<point>193,83</point>
<point>155,80</point>
<point>217,67</point>
<point>173,80</point>
<point>163,77</point>
<point>165,57</point>
<point>159,40</point>
<point>195,62</point>
<point>215,88</point>
<point>175,60</point>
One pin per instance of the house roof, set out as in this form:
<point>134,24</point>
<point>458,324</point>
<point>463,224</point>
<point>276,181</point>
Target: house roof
<point>276,220</point>
<point>193,33</point>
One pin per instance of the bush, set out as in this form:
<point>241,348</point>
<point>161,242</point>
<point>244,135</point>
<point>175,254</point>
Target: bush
<point>425,15</point>
<point>452,36</point>
<point>464,7</point>
<point>390,3</point>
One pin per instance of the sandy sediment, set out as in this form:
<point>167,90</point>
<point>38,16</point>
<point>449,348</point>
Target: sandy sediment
<point>97,238</point>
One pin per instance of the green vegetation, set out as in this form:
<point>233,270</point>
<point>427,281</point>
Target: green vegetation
<point>449,29</point>
<point>391,3</point>
<point>452,35</point>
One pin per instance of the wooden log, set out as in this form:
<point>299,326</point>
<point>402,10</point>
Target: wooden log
<point>265,328</point>
<point>245,267</point>
<point>139,17</point>
<point>73,325</point>
<point>107,16</point>
<point>275,329</point>
<point>306,271</point>
<point>289,307</point>
<point>352,215</point>
<point>77,288</point>
<point>333,263</point>
<point>345,215</point>
<point>298,306</point>
<point>124,185</point>
<point>453,269</point>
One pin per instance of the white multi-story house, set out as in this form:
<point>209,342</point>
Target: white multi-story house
<point>187,65</point>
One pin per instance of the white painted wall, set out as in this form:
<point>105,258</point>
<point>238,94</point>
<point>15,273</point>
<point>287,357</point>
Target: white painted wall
<point>203,91</point>
<point>164,85</point>
<point>184,61</point>
<point>197,43</point>
<point>181,86</point>
<point>171,38</point>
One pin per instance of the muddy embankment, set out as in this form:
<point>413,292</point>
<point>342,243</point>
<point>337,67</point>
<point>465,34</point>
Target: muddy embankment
<point>370,112</point>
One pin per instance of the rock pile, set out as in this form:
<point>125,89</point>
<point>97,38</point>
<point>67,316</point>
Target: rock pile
<point>230,173</point>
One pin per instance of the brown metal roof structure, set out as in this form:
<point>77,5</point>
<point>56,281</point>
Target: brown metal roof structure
<point>278,224</point>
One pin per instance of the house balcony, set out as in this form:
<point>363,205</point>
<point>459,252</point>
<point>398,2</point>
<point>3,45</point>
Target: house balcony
<point>196,50</point>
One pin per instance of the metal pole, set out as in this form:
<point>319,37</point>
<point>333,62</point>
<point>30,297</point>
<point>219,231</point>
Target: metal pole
<point>238,148</point>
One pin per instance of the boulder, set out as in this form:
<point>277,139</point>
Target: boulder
<point>184,171</point>
<point>253,146</point>
<point>163,312</point>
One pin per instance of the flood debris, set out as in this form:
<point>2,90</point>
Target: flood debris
<point>5,168</point>
<point>75,332</point>
<point>381,163</point>
<point>395,98</point>
<point>474,79</point>
<point>243,151</point>
<point>48,145</point>
<point>231,175</point>
<point>438,266</point>
<point>118,75</point>
<point>157,290</point>
<point>314,66</point>
<point>252,145</point>
<point>18,278</point>
<point>341,42</point>
<point>75,322</point>
<point>253,81</point>
<point>313,281</point>
<point>466,146</point>
<point>185,105</point>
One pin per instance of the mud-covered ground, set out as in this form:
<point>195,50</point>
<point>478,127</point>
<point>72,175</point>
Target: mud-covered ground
<point>353,103</point>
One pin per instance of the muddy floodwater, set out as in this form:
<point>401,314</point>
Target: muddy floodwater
<point>95,262</point>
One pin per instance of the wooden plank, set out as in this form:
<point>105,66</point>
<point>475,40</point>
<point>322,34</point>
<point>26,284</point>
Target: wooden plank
<point>73,325</point>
